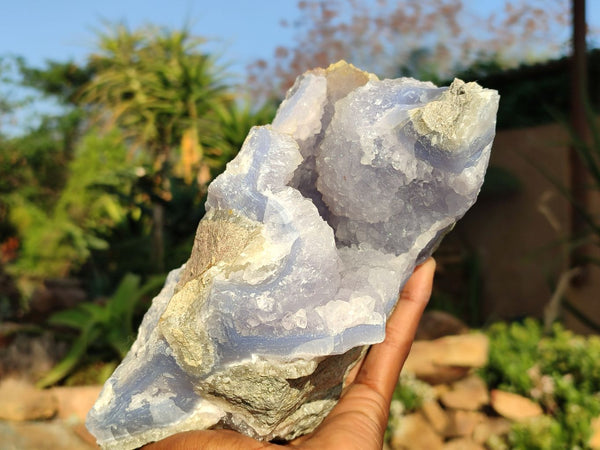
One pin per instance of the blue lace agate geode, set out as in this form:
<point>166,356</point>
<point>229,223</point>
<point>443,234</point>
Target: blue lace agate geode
<point>309,235</point>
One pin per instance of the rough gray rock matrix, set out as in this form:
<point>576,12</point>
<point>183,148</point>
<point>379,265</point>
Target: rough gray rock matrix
<point>309,235</point>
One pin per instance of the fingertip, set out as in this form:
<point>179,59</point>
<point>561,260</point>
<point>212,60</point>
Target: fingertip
<point>419,286</point>
<point>429,265</point>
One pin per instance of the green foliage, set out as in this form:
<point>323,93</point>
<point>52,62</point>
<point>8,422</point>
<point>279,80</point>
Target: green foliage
<point>58,237</point>
<point>560,371</point>
<point>125,196</point>
<point>129,241</point>
<point>539,433</point>
<point>517,341</point>
<point>99,170</point>
<point>61,80</point>
<point>158,86</point>
<point>235,120</point>
<point>102,328</point>
<point>34,168</point>
<point>412,392</point>
<point>51,245</point>
<point>94,373</point>
<point>5,103</point>
<point>45,142</point>
<point>160,90</point>
<point>36,163</point>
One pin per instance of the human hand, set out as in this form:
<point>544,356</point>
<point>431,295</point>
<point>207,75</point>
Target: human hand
<point>359,419</point>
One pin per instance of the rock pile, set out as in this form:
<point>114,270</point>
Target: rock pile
<point>464,414</point>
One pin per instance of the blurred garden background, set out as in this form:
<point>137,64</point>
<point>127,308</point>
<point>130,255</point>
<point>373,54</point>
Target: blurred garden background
<point>115,117</point>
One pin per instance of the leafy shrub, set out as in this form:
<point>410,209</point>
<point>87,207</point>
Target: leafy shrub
<point>107,329</point>
<point>543,433</point>
<point>57,238</point>
<point>559,370</point>
<point>412,392</point>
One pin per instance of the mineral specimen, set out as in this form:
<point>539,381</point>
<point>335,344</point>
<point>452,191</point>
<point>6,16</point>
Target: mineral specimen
<point>308,236</point>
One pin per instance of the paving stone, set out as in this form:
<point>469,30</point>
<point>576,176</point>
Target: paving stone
<point>440,389</point>
<point>43,435</point>
<point>435,415</point>
<point>513,406</point>
<point>492,426</point>
<point>447,359</point>
<point>415,433</point>
<point>462,423</point>
<point>470,393</point>
<point>462,444</point>
<point>20,400</point>
<point>443,374</point>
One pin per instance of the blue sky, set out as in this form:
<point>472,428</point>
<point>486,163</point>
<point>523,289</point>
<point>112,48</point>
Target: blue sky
<point>245,29</point>
<point>38,30</point>
<point>242,31</point>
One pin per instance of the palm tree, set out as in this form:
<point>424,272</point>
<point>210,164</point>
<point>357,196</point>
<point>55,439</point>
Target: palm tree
<point>161,90</point>
<point>236,119</point>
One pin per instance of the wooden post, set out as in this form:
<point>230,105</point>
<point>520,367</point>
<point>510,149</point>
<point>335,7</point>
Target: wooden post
<point>579,123</point>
